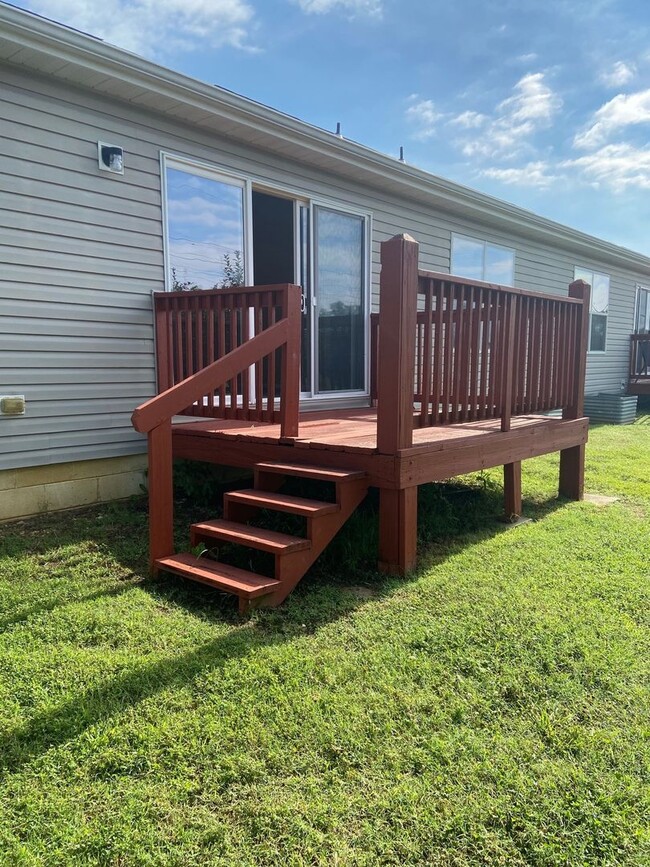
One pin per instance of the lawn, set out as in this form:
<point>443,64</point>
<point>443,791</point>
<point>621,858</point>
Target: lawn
<point>492,709</point>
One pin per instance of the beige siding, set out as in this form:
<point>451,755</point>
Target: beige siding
<point>81,252</point>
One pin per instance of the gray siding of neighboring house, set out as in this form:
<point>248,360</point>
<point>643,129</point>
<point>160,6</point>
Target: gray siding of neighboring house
<point>82,251</point>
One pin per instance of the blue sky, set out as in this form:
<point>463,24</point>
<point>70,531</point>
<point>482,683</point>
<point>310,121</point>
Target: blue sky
<point>544,103</point>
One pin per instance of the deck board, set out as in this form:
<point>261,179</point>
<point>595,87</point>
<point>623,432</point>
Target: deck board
<point>355,431</point>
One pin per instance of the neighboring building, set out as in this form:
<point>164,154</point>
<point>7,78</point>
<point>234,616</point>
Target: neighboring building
<point>119,177</point>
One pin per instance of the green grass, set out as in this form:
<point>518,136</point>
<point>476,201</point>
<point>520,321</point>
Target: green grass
<point>492,709</point>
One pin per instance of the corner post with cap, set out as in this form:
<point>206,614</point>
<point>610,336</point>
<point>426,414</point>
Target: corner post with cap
<point>398,298</point>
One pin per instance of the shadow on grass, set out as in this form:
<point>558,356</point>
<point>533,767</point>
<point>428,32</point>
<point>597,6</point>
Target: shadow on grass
<point>69,720</point>
<point>49,605</point>
<point>450,515</point>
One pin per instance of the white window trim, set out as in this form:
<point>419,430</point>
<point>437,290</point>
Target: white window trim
<point>593,273</point>
<point>485,244</point>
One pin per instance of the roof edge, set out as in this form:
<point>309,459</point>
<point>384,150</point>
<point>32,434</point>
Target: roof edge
<point>32,31</point>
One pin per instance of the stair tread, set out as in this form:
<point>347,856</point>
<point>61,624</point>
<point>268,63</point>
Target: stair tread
<point>282,502</point>
<point>219,575</point>
<point>308,471</point>
<point>253,537</point>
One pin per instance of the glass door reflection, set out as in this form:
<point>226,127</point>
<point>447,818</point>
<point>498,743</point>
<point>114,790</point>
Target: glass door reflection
<point>340,314</point>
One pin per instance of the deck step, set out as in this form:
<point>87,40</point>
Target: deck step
<point>246,585</point>
<point>281,503</point>
<point>305,471</point>
<point>252,537</point>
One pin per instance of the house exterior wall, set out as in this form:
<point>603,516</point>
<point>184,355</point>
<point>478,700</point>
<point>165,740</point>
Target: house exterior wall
<point>82,251</point>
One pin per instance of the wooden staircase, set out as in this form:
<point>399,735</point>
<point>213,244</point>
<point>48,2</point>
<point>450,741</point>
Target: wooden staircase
<point>292,555</point>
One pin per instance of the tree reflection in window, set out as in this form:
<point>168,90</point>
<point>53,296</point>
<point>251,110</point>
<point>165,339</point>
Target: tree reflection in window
<point>205,230</point>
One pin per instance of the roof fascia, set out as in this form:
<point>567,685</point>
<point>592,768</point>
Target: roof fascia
<point>88,53</point>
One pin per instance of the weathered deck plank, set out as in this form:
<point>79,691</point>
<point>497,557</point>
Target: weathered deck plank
<point>347,439</point>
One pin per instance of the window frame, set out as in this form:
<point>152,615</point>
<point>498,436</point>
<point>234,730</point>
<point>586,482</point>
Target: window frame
<point>484,244</point>
<point>593,312</point>
<point>251,182</point>
<point>210,172</point>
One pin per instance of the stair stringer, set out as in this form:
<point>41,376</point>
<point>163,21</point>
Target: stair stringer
<point>290,567</point>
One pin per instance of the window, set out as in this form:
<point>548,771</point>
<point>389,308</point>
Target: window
<point>205,227</point>
<point>599,307</point>
<point>479,260</point>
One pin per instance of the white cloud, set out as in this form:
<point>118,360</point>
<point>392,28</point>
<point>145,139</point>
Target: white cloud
<point>618,75</point>
<point>422,114</point>
<point>468,120</point>
<point>534,174</point>
<point>533,101</point>
<point>622,111</point>
<point>372,8</point>
<point>155,27</point>
<point>531,107</point>
<point>617,166</point>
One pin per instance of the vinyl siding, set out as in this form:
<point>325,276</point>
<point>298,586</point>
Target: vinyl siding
<point>81,252</point>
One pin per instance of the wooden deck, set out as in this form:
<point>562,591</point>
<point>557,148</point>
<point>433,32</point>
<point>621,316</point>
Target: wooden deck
<point>348,438</point>
<point>463,376</point>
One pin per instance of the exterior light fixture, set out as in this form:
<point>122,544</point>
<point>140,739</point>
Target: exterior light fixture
<point>110,158</point>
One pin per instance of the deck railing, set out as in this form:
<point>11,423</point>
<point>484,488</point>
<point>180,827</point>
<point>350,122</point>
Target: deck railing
<point>217,357</point>
<point>470,350</point>
<point>196,328</point>
<point>639,358</point>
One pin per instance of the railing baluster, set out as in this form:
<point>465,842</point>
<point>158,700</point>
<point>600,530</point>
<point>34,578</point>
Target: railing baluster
<point>178,349</point>
<point>427,349</point>
<point>534,355</point>
<point>458,351</point>
<point>493,383</point>
<point>485,350</point>
<point>449,354</point>
<point>437,358</point>
<point>508,355</point>
<point>270,397</point>
<point>477,296</point>
<point>466,346</point>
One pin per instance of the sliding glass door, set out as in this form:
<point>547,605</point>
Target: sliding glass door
<point>223,231</point>
<point>339,320</point>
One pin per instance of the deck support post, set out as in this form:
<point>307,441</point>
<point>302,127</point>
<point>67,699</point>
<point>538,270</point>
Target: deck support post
<point>161,493</point>
<point>572,460</point>
<point>398,519</point>
<point>512,491</point>
<point>572,473</point>
<point>398,300</point>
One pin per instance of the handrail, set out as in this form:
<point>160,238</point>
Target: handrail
<point>193,332</point>
<point>175,399</point>
<point>231,290</point>
<point>498,287</point>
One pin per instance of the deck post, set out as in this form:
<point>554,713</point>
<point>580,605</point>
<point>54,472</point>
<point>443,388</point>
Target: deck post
<point>572,460</point>
<point>398,298</point>
<point>290,405</point>
<point>161,492</point>
<point>512,491</point>
<point>398,302</point>
<point>398,518</point>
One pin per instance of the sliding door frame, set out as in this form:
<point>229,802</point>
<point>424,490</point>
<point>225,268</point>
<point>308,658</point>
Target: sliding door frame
<point>248,183</point>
